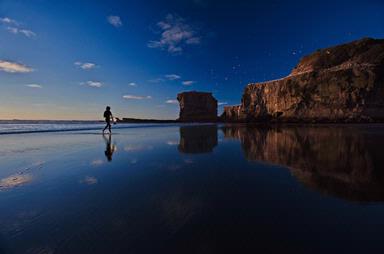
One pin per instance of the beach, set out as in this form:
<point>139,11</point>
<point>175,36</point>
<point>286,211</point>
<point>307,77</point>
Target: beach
<point>192,188</point>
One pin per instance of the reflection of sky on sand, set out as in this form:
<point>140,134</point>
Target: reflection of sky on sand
<point>15,181</point>
<point>97,162</point>
<point>20,178</point>
<point>137,147</point>
<point>89,180</point>
<point>133,161</point>
<point>21,220</point>
<point>174,167</point>
<point>188,161</point>
<point>172,142</point>
<point>64,195</point>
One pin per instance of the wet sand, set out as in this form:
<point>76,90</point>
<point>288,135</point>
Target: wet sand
<point>193,189</point>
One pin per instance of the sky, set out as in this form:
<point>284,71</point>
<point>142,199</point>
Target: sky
<point>70,59</point>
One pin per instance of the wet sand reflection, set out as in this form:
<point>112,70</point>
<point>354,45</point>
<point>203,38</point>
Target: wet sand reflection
<point>109,147</point>
<point>198,139</point>
<point>340,161</point>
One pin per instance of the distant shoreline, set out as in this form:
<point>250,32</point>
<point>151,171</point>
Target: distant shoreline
<point>158,121</point>
<point>136,120</point>
<point>124,120</point>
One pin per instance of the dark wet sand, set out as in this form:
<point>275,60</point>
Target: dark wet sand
<point>199,189</point>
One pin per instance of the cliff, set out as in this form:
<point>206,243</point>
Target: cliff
<point>338,84</point>
<point>233,113</point>
<point>197,107</point>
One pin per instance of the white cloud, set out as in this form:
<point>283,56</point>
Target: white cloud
<point>27,33</point>
<point>85,66</point>
<point>132,84</point>
<point>188,82</point>
<point>193,40</point>
<point>172,76</point>
<point>34,86</point>
<point>13,30</point>
<point>95,84</point>
<point>136,97</point>
<point>222,103</point>
<point>171,102</point>
<point>115,21</point>
<point>13,67</point>
<point>14,27</point>
<point>175,35</point>
<point>8,21</point>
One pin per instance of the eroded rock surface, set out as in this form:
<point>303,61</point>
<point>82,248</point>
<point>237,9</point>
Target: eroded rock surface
<point>233,113</point>
<point>338,84</point>
<point>197,107</point>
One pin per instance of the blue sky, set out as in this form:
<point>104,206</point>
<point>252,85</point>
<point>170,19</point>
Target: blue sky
<point>69,59</point>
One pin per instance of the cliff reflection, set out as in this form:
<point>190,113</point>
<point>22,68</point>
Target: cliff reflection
<point>198,139</point>
<point>340,161</point>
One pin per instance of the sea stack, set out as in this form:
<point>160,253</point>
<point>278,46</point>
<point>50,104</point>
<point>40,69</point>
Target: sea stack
<point>344,83</point>
<point>197,107</point>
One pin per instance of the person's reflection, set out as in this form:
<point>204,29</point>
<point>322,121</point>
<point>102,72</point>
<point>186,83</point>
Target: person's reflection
<point>109,147</point>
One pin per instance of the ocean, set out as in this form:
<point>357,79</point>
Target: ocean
<point>37,126</point>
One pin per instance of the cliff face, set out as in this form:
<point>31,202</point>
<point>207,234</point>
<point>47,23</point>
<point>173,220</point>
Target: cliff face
<point>233,113</point>
<point>197,107</point>
<point>342,83</point>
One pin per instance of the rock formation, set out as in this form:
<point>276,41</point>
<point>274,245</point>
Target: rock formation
<point>232,113</point>
<point>197,107</point>
<point>338,84</point>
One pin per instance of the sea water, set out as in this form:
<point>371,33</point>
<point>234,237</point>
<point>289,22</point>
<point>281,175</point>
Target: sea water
<point>18,127</point>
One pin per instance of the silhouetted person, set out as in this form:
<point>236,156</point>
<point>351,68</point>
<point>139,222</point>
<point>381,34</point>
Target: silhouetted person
<point>109,148</point>
<point>108,117</point>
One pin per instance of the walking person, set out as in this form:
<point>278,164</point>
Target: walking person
<point>108,117</point>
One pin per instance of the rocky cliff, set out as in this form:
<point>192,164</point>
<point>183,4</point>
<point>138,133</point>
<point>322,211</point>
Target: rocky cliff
<point>233,113</point>
<point>338,84</point>
<point>197,107</point>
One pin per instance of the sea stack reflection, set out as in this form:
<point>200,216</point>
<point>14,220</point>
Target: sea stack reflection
<point>198,139</point>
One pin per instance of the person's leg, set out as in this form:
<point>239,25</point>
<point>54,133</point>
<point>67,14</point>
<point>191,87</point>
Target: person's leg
<point>106,126</point>
<point>109,126</point>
